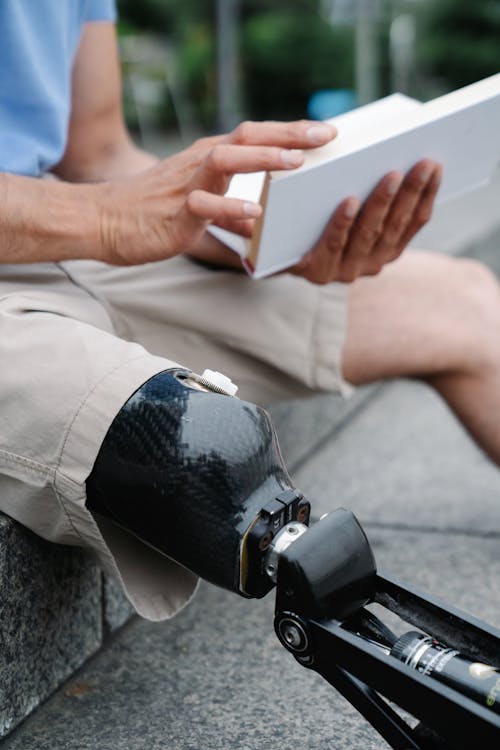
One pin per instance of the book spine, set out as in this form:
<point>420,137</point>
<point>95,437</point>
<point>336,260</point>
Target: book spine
<point>251,258</point>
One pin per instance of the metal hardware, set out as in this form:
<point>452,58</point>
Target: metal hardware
<point>324,581</point>
<point>214,381</point>
<point>288,510</point>
<point>293,635</point>
<point>289,534</point>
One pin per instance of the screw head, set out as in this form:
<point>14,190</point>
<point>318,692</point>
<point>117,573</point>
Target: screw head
<point>293,635</point>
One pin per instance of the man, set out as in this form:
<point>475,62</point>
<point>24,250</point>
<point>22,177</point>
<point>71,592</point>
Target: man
<point>101,287</point>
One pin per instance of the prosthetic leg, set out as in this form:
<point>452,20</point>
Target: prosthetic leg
<point>198,475</point>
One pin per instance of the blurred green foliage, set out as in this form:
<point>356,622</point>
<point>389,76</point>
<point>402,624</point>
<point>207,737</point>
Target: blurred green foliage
<point>287,55</point>
<point>459,40</point>
<point>172,17</point>
<point>287,49</point>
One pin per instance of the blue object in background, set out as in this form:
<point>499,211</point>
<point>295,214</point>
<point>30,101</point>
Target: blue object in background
<point>328,103</point>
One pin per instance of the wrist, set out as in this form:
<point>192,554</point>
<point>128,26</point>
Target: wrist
<point>112,223</point>
<point>47,220</point>
<point>74,224</point>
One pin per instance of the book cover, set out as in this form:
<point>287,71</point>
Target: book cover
<point>461,130</point>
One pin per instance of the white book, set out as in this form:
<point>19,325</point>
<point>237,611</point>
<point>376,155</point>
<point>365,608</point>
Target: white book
<point>461,130</point>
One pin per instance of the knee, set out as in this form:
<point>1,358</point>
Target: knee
<point>480,291</point>
<point>478,297</point>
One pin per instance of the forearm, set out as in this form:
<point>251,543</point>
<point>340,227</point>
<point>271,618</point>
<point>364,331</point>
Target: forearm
<point>114,160</point>
<point>45,220</point>
<point>123,162</point>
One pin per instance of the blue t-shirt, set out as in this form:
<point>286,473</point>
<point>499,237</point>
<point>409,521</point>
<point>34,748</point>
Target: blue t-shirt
<point>38,42</point>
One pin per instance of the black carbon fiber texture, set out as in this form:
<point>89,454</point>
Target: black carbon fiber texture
<point>187,472</point>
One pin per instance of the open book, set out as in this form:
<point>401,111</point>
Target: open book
<point>461,130</point>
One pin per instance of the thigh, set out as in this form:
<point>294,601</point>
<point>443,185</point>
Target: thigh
<point>422,315</point>
<point>277,338</point>
<point>63,377</point>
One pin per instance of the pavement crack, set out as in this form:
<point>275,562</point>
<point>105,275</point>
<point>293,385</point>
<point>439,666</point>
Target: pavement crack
<point>424,529</point>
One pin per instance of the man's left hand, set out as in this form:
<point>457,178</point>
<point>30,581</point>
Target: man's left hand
<point>360,240</point>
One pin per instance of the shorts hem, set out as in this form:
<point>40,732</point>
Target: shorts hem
<point>328,338</point>
<point>164,587</point>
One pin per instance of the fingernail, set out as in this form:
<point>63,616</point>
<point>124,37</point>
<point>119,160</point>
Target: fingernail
<point>394,183</point>
<point>425,173</point>
<point>318,135</point>
<point>252,209</point>
<point>351,208</point>
<point>292,157</point>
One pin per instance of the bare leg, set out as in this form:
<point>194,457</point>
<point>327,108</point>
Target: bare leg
<point>438,319</point>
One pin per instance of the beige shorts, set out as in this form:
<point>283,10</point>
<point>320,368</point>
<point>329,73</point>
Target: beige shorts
<point>77,339</point>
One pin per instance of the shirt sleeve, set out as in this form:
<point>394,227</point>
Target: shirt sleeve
<point>100,10</point>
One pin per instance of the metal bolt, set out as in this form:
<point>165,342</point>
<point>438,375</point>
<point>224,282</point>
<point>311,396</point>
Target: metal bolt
<point>291,634</point>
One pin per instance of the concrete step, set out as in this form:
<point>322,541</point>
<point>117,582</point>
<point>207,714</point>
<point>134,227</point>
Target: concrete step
<point>56,610</point>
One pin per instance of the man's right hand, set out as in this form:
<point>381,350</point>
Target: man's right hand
<point>166,209</point>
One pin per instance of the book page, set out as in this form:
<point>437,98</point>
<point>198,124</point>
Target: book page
<point>247,187</point>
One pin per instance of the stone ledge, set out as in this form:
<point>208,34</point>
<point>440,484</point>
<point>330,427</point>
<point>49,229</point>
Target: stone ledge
<point>56,609</point>
<point>50,618</point>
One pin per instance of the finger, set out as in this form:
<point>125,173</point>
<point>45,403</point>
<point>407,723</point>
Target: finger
<point>423,210</point>
<point>243,227</point>
<point>370,223</point>
<point>299,134</point>
<point>402,213</point>
<point>209,207</point>
<point>226,160</point>
<point>321,264</point>
<point>206,142</point>
<point>410,211</point>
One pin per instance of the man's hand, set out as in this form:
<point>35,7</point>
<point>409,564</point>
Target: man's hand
<point>359,241</point>
<point>163,209</point>
<point>166,209</point>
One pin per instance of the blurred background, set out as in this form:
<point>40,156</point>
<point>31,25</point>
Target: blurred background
<point>192,67</point>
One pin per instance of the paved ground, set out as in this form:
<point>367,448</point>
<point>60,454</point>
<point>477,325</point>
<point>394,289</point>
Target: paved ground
<point>216,677</point>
